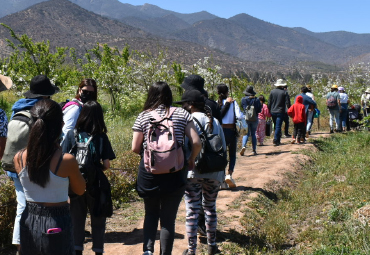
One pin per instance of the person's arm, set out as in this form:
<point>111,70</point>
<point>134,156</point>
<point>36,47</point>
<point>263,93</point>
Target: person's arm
<point>70,118</point>
<point>106,164</point>
<point>196,146</point>
<point>76,182</point>
<point>226,107</point>
<point>137,142</point>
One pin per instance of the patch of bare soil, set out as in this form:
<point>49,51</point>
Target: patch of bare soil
<point>124,234</point>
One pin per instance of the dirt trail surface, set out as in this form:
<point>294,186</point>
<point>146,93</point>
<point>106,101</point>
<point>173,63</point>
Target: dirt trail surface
<point>252,173</point>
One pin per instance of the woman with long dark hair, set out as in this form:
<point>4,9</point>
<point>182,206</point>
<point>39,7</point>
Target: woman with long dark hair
<point>90,123</point>
<point>162,193</point>
<point>46,173</point>
<point>202,188</point>
<point>230,112</point>
<point>86,91</point>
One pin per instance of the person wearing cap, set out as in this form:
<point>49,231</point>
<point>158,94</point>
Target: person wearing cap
<point>344,101</point>
<point>278,102</point>
<point>202,188</point>
<point>5,84</point>
<point>196,82</point>
<point>365,100</point>
<point>335,110</point>
<point>248,100</point>
<point>40,88</point>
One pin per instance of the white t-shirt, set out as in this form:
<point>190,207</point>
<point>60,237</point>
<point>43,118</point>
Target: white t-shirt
<point>343,98</point>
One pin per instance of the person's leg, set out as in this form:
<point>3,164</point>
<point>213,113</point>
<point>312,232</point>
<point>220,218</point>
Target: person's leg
<point>245,139</point>
<point>337,120</point>
<point>193,195</point>
<point>309,120</point>
<point>232,151</point>
<point>295,133</point>
<point>261,131</point>
<point>168,211</point>
<point>274,117</point>
<point>210,191</point>
<point>279,121</point>
<point>253,128</point>
<point>21,205</point>
<point>331,113</point>
<point>286,124</point>
<point>97,226</point>
<point>152,213</point>
<point>78,207</point>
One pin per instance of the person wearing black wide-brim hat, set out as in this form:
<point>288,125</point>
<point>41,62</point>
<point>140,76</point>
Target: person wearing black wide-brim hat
<point>196,82</point>
<point>40,88</point>
<point>247,101</point>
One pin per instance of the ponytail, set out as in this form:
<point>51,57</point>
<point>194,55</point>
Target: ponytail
<point>222,91</point>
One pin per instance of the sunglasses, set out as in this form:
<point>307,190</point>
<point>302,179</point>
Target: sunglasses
<point>87,92</point>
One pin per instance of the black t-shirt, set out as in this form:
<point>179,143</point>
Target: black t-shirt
<point>102,145</point>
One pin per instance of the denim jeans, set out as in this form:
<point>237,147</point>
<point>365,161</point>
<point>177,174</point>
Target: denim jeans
<point>21,205</point>
<point>277,118</point>
<point>343,114</point>
<point>334,114</point>
<point>163,208</point>
<point>286,124</point>
<point>231,142</point>
<point>34,224</point>
<point>79,206</point>
<point>252,128</point>
<point>309,120</point>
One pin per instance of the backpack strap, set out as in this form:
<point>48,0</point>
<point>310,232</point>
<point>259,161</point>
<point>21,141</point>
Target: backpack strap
<point>58,165</point>
<point>24,116</point>
<point>155,114</point>
<point>73,102</point>
<point>201,127</point>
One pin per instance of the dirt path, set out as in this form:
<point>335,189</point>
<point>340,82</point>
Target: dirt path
<point>252,173</point>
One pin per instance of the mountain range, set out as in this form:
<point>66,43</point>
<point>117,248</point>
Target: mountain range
<point>240,42</point>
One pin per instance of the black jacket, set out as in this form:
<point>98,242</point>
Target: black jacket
<point>278,101</point>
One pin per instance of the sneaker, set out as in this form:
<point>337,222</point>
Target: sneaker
<point>186,252</point>
<point>303,140</point>
<point>287,136</point>
<point>254,153</point>
<point>148,253</point>
<point>331,131</point>
<point>224,185</point>
<point>274,142</point>
<point>213,250</point>
<point>307,135</point>
<point>293,141</point>
<point>242,151</point>
<point>230,181</point>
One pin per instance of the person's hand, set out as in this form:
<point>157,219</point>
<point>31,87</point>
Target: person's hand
<point>229,100</point>
<point>191,164</point>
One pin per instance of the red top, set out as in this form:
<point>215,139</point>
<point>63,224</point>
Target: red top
<point>298,111</point>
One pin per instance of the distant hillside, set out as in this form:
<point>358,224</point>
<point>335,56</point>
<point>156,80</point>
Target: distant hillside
<point>339,38</point>
<point>66,24</point>
<point>13,6</point>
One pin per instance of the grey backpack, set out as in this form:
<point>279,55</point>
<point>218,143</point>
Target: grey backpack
<point>18,131</point>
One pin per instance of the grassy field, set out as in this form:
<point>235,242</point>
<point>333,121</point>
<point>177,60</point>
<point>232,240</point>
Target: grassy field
<point>323,210</point>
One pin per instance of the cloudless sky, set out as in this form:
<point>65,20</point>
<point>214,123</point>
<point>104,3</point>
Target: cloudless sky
<point>314,15</point>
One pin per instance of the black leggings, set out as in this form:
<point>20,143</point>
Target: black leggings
<point>164,208</point>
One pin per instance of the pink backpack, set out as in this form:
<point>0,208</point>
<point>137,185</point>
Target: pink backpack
<point>162,153</point>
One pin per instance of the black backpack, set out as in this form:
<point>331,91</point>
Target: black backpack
<point>84,151</point>
<point>212,157</point>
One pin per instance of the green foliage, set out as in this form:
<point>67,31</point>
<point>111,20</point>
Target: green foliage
<point>8,206</point>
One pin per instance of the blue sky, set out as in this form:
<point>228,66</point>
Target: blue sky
<point>314,15</point>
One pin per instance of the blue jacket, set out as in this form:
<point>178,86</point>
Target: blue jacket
<point>307,101</point>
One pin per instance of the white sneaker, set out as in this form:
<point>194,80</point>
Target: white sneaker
<point>242,151</point>
<point>224,185</point>
<point>230,181</point>
<point>148,253</point>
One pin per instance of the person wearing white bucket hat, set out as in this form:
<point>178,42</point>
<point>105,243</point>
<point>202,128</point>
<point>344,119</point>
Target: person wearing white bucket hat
<point>277,103</point>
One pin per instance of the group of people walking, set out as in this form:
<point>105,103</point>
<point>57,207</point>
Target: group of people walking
<point>54,192</point>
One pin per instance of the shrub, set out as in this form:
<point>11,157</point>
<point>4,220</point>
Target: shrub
<point>8,207</point>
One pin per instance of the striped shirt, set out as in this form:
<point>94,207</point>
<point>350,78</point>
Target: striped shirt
<point>180,119</point>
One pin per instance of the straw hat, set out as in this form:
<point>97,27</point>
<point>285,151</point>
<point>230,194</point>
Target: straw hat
<point>334,86</point>
<point>5,83</point>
